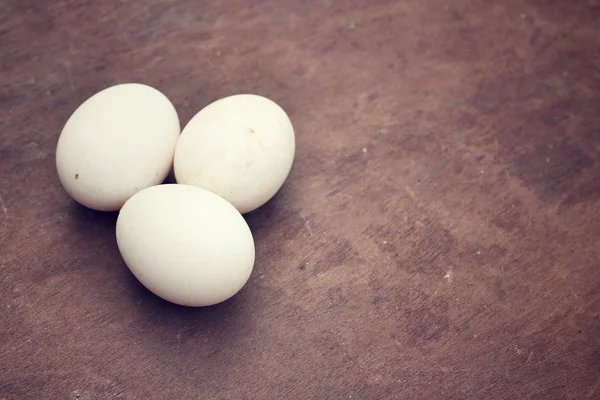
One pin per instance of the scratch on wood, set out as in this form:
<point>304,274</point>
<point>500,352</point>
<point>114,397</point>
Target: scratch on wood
<point>4,209</point>
<point>580,309</point>
<point>307,226</point>
<point>530,354</point>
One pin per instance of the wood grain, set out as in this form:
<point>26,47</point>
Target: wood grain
<point>437,238</point>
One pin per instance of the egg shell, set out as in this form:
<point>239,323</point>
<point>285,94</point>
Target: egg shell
<point>119,141</point>
<point>185,244</point>
<point>240,147</point>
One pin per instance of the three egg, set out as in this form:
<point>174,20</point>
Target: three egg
<point>188,242</point>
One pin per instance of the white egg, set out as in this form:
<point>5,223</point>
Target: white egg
<point>119,141</point>
<point>240,147</point>
<point>185,244</point>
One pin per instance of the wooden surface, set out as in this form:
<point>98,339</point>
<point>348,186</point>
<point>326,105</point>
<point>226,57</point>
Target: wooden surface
<point>437,238</point>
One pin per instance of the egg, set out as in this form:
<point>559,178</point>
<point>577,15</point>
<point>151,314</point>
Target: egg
<point>185,244</point>
<point>240,147</point>
<point>119,141</point>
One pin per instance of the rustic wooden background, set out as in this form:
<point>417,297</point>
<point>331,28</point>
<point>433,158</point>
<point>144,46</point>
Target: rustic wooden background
<point>438,237</point>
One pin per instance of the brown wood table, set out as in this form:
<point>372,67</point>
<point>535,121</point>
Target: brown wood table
<point>438,237</point>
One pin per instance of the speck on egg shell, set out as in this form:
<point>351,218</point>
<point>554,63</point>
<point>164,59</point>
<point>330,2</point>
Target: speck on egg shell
<point>185,244</point>
<point>119,141</point>
<point>240,147</point>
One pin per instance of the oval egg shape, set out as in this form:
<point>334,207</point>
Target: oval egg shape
<point>240,147</point>
<point>119,141</point>
<point>185,244</point>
